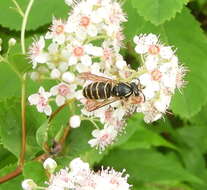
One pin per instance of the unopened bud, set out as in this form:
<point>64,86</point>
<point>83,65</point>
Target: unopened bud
<point>35,76</point>
<point>29,184</point>
<point>121,64</point>
<point>55,73</point>
<point>68,77</point>
<point>50,165</point>
<point>0,44</point>
<point>12,42</point>
<point>75,121</point>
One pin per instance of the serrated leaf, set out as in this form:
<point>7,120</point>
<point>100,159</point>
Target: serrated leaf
<point>42,134</point>
<point>20,63</point>
<point>34,170</point>
<point>6,157</point>
<point>149,166</point>
<point>10,127</point>
<point>39,15</point>
<point>158,11</point>
<point>191,50</point>
<point>14,183</point>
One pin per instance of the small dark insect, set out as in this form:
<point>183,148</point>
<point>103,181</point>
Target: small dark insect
<point>109,91</point>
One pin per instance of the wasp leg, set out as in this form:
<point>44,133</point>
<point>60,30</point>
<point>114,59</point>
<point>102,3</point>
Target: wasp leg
<point>136,99</point>
<point>92,105</point>
<point>95,78</point>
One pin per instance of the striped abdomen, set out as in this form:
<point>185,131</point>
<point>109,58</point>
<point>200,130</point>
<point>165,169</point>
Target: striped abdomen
<point>97,90</point>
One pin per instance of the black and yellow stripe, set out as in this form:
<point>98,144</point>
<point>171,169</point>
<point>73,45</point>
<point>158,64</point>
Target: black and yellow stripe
<point>97,90</point>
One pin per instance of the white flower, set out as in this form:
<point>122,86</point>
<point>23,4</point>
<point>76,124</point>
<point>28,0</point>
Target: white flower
<point>29,184</point>
<point>166,52</point>
<point>161,76</point>
<point>41,101</point>
<point>78,54</point>
<point>80,177</point>
<point>112,180</point>
<point>36,52</point>
<point>50,165</point>
<point>62,92</point>
<point>103,137</point>
<point>77,165</point>
<point>75,121</point>
<point>146,43</point>
<point>57,33</point>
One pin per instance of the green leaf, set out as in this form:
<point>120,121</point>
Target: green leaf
<point>145,138</point>
<point>200,118</point>
<point>42,134</point>
<point>133,123</point>
<point>191,50</point>
<point>14,183</point>
<point>20,63</point>
<point>77,143</point>
<point>165,186</point>
<point>6,157</point>
<point>34,170</point>
<point>10,127</point>
<point>39,15</point>
<point>193,150</point>
<point>194,137</point>
<point>9,81</point>
<point>138,135</point>
<point>34,120</point>
<point>149,166</point>
<point>93,156</point>
<point>158,11</point>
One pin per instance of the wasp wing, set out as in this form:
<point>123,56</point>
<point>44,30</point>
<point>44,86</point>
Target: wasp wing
<point>95,78</point>
<point>92,105</point>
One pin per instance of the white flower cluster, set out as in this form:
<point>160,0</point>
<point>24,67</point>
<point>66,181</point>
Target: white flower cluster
<point>73,49</point>
<point>78,176</point>
<point>161,75</point>
<point>90,41</point>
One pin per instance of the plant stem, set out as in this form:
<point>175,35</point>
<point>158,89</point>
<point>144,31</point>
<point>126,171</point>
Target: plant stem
<point>18,8</point>
<point>11,175</point>
<point>24,23</point>
<point>23,116</point>
<point>65,134</point>
<point>59,109</point>
<point>95,38</point>
<point>23,88</point>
